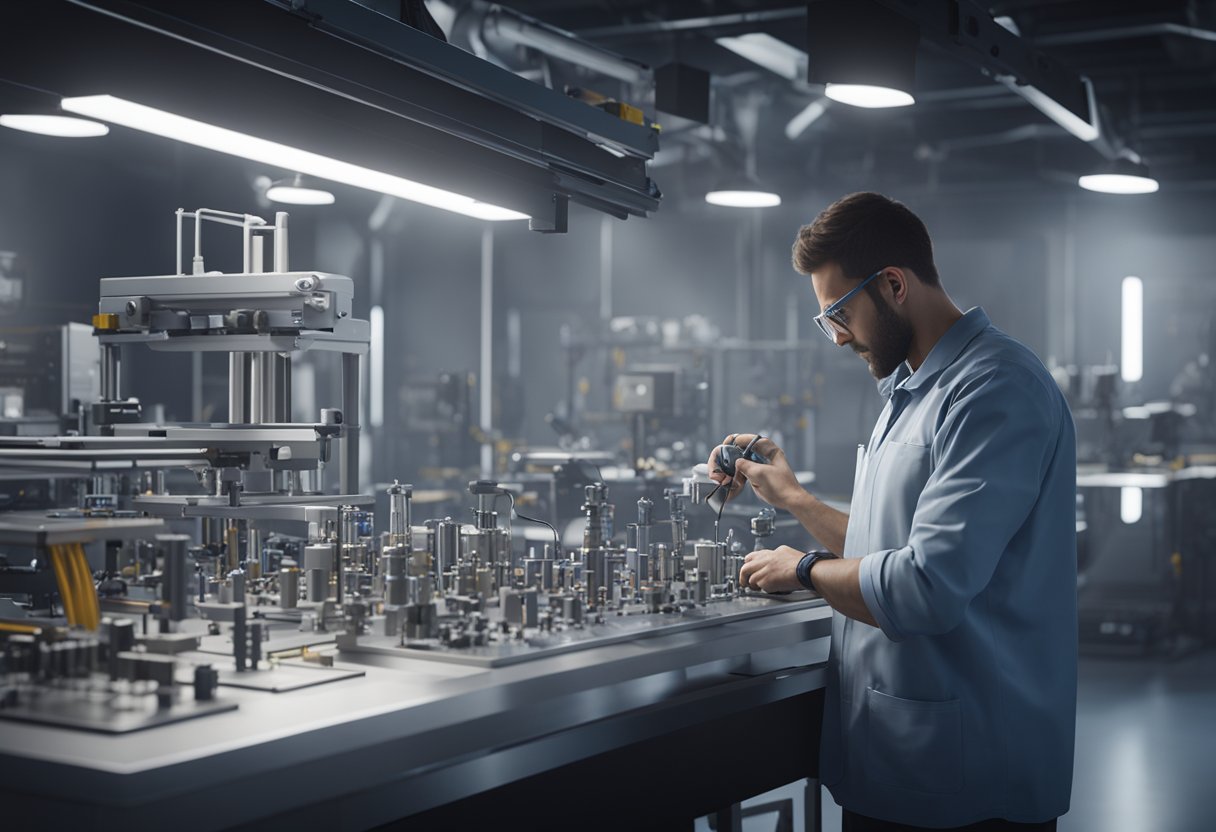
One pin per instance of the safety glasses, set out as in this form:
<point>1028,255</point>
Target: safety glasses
<point>831,322</point>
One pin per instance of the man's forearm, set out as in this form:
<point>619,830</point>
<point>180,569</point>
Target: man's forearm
<point>838,580</point>
<point>825,523</point>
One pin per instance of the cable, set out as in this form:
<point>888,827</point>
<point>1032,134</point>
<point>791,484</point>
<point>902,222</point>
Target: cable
<point>65,589</point>
<point>89,588</point>
<point>82,584</point>
<point>557,542</point>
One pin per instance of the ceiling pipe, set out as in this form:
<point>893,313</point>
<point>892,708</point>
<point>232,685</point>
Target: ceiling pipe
<point>502,25</point>
<point>1147,30</point>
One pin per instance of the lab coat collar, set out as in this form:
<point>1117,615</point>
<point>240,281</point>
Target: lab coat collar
<point>943,354</point>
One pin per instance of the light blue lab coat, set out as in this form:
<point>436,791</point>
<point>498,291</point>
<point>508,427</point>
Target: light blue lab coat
<point>962,706</point>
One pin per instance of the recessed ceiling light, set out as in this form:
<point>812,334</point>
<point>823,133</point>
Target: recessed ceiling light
<point>743,199</point>
<point>297,191</point>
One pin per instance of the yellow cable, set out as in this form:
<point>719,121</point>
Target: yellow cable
<point>65,594</point>
<point>94,601</point>
<point>86,593</point>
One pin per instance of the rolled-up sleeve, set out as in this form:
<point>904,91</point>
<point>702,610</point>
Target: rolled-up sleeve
<point>989,456</point>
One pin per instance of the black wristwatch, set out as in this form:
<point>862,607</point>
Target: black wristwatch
<point>808,561</point>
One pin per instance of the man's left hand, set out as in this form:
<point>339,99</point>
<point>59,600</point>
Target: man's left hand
<point>771,570</point>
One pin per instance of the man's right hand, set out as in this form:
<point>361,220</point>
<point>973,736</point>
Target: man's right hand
<point>774,483</point>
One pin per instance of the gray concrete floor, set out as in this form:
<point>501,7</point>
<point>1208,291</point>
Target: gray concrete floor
<point>1146,750</point>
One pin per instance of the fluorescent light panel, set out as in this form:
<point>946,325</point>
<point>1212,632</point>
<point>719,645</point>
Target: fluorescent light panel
<point>1132,366</point>
<point>773,54</point>
<point>743,199</point>
<point>209,136</point>
<point>62,126</point>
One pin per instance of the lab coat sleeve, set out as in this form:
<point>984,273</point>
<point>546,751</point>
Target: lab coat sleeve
<point>989,455</point>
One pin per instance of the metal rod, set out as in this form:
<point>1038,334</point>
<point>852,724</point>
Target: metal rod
<point>280,242</point>
<point>111,368</point>
<point>486,370</point>
<point>349,451</point>
<point>238,389</point>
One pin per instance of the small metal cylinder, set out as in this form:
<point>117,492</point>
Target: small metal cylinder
<point>711,559</point>
<point>111,364</point>
<point>280,242</point>
<point>237,576</point>
<point>400,499</point>
<point>447,545</point>
<point>289,584</point>
<point>238,388</point>
<point>318,585</point>
<point>176,587</point>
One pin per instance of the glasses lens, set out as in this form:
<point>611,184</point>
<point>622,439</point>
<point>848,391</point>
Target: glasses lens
<point>830,328</point>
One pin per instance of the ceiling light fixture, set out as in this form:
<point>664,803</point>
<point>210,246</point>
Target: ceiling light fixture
<point>868,96</point>
<point>68,127</point>
<point>743,198</point>
<point>171,126</point>
<point>1123,176</point>
<point>864,53</point>
<point>298,191</point>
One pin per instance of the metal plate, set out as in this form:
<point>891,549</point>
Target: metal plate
<point>108,715</point>
<point>283,677</point>
<point>36,529</point>
<point>613,630</point>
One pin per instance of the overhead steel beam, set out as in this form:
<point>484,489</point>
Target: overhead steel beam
<point>341,80</point>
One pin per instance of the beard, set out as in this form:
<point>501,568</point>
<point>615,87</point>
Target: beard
<point>891,342</point>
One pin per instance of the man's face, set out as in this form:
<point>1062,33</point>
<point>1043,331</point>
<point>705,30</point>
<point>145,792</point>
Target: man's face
<point>876,330</point>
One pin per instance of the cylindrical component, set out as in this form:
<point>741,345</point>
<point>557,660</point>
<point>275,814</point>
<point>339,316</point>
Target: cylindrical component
<point>253,562</point>
<point>594,572</point>
<point>282,378</point>
<point>394,565</point>
<point>111,364</point>
<point>400,500</point>
<point>599,529</point>
<point>263,388</point>
<point>237,576</point>
<point>318,585</point>
<point>348,461</point>
<point>645,519</point>
<point>280,242</point>
<point>652,597</point>
<point>238,388</point>
<point>666,562</point>
<point>447,545</point>
<point>289,584</point>
<point>485,582</point>
<point>711,560</point>
<point>702,587</point>
<point>176,587</point>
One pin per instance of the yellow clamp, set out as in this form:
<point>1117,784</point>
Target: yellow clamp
<point>105,321</point>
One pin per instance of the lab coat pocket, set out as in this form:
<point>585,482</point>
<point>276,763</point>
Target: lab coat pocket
<point>914,745</point>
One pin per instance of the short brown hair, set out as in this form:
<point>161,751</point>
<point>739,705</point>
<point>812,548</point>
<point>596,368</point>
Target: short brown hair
<point>863,233</point>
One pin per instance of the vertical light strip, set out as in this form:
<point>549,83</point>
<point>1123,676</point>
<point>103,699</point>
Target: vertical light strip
<point>375,400</point>
<point>209,136</point>
<point>1131,504</point>
<point>1132,364</point>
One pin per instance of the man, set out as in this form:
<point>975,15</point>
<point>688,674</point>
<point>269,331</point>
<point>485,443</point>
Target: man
<point>951,692</point>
